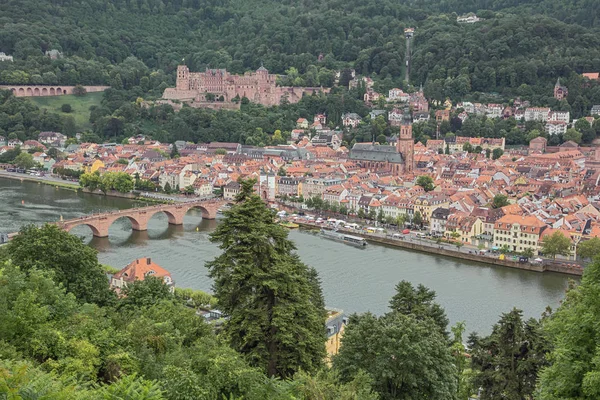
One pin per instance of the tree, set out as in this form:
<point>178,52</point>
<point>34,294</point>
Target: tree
<point>418,302</point>
<point>220,152</point>
<point>497,153</point>
<point>145,293</point>
<point>468,147</point>
<point>24,160</point>
<point>556,244</point>
<point>372,215</point>
<point>418,219</point>
<point>361,213</point>
<point>167,189</point>
<point>589,249</point>
<point>426,182</point>
<point>380,216</point>
<point>573,134</point>
<point>401,220</point>
<point>405,358</point>
<point>574,335</point>
<point>73,264</point>
<point>174,152</point>
<point>90,181</point>
<point>505,249</point>
<point>66,108</point>
<point>528,252</point>
<point>119,181</point>
<point>281,171</point>
<point>79,90</point>
<point>500,201</point>
<point>271,297</point>
<point>509,360</point>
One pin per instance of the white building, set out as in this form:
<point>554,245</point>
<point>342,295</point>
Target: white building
<point>537,114</point>
<point>397,95</point>
<point>563,116</point>
<point>351,119</point>
<point>556,127</point>
<point>4,57</point>
<point>494,111</point>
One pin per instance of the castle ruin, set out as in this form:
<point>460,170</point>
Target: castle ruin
<point>218,85</point>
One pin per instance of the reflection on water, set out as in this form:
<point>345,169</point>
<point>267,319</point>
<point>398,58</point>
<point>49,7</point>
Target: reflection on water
<point>353,279</point>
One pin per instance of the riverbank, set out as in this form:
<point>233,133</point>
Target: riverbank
<point>61,184</point>
<point>39,179</point>
<point>424,248</point>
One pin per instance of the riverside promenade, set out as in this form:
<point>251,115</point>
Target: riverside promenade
<point>425,247</point>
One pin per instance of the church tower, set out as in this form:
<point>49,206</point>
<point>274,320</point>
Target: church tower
<point>560,92</point>
<point>406,143</point>
<point>183,77</point>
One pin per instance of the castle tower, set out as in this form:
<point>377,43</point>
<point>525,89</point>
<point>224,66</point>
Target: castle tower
<point>406,143</point>
<point>183,77</point>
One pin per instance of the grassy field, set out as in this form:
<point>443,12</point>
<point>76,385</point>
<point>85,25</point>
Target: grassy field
<point>80,106</point>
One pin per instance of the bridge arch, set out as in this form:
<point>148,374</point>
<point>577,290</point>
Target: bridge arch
<point>95,231</point>
<point>58,91</point>
<point>205,213</point>
<point>52,91</point>
<point>172,218</point>
<point>44,92</point>
<point>136,224</point>
<point>36,91</point>
<point>29,91</point>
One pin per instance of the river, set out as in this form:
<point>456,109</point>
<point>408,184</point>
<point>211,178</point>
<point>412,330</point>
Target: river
<point>353,279</point>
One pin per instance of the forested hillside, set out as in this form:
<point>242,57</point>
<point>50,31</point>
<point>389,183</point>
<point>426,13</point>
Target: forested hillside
<point>241,35</point>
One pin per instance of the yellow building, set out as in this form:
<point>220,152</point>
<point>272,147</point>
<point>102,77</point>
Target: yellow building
<point>427,204</point>
<point>336,321</point>
<point>469,228</point>
<point>519,233</point>
<point>93,166</point>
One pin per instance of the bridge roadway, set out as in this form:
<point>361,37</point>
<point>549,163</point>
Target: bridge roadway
<point>139,217</point>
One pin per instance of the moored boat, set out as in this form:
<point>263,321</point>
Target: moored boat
<point>344,237</point>
<point>289,225</point>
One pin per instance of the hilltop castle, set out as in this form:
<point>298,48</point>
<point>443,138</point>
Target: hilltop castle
<point>218,84</point>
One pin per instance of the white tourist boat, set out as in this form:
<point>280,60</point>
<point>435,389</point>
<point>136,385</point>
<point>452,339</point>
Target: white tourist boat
<point>344,237</point>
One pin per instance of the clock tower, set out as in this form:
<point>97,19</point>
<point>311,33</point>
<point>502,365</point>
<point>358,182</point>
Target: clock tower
<point>406,143</point>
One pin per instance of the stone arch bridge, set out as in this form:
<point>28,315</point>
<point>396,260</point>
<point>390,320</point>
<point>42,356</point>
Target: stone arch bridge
<point>51,90</point>
<point>139,217</point>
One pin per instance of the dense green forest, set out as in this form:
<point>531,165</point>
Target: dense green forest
<point>65,335</point>
<point>518,49</point>
<point>240,35</point>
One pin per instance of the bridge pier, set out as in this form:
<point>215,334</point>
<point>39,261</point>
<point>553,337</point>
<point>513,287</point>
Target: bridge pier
<point>139,224</point>
<point>176,216</point>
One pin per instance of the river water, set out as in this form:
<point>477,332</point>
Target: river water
<point>353,279</point>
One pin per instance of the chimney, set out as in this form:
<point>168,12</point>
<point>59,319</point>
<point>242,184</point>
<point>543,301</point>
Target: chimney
<point>148,261</point>
<point>137,261</point>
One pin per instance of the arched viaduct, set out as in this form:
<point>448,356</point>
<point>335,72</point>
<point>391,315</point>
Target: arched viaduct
<point>50,90</point>
<point>139,217</point>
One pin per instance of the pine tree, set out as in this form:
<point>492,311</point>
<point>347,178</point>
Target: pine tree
<point>418,302</point>
<point>174,151</point>
<point>509,360</point>
<point>274,301</point>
